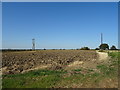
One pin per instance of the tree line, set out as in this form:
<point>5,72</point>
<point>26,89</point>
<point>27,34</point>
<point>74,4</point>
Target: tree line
<point>103,46</point>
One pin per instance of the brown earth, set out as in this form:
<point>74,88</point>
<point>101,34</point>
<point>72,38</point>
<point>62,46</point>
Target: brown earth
<point>22,61</point>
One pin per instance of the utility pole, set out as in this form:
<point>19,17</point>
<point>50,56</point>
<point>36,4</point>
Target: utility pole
<point>101,38</point>
<point>33,44</point>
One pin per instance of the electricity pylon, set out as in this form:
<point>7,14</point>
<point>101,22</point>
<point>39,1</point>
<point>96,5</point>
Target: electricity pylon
<point>33,44</point>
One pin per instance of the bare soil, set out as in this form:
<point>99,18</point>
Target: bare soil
<point>20,62</point>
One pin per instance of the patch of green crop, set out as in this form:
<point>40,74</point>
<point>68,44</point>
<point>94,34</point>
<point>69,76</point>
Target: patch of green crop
<point>77,70</point>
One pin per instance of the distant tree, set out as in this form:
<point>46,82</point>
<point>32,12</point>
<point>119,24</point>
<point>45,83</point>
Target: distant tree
<point>77,49</point>
<point>113,48</point>
<point>104,46</point>
<point>85,48</point>
<point>96,48</point>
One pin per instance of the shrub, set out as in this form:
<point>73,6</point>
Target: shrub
<point>101,51</point>
<point>97,49</point>
<point>85,48</point>
<point>104,46</point>
<point>113,47</point>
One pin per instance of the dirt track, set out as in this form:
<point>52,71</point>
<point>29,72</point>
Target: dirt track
<point>102,55</point>
<point>102,58</point>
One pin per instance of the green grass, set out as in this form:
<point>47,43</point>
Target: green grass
<point>110,70</point>
<point>36,73</point>
<point>33,79</point>
<point>77,70</point>
<point>47,79</point>
<point>115,57</point>
<point>114,54</point>
<point>107,70</point>
<point>76,80</point>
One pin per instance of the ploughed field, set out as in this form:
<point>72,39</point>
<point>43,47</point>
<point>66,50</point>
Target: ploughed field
<point>60,69</point>
<point>22,61</point>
